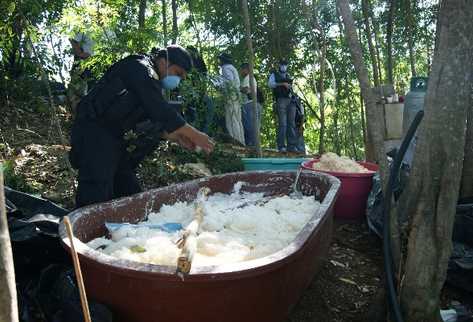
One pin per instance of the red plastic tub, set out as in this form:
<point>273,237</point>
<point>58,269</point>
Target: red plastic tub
<point>351,203</point>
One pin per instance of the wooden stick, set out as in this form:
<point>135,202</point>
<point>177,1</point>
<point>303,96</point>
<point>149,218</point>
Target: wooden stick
<point>188,242</point>
<point>80,280</point>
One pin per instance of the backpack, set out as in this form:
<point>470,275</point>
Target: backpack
<point>299,119</point>
<point>260,95</point>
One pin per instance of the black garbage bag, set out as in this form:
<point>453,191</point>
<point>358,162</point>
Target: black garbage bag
<point>45,282</point>
<point>460,266</point>
<point>58,296</point>
<point>33,225</point>
<point>31,205</point>
<point>375,204</point>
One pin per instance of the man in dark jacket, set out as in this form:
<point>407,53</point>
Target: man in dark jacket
<point>281,83</point>
<point>122,119</point>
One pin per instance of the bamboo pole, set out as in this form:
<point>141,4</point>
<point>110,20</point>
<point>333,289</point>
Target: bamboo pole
<point>79,278</point>
<point>188,241</point>
<point>249,43</point>
<point>8,299</point>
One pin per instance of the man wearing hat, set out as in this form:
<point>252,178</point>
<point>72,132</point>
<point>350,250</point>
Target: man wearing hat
<point>281,83</point>
<point>122,119</point>
<point>231,90</point>
<point>81,78</point>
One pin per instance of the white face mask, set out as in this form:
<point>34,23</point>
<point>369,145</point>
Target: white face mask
<point>283,68</point>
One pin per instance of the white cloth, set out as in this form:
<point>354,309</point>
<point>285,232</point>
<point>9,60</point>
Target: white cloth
<point>246,83</point>
<point>233,120</point>
<point>85,42</point>
<point>231,86</point>
<point>230,75</point>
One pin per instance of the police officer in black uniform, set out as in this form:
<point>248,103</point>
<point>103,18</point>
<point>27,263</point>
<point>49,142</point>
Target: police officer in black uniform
<point>122,119</point>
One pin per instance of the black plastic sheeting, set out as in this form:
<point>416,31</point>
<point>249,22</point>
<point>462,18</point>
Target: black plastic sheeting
<point>46,284</point>
<point>460,266</point>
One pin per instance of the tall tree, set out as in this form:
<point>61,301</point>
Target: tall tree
<point>467,174</point>
<point>389,41</point>
<point>369,35</point>
<point>432,192</point>
<point>165,22</point>
<point>141,14</point>
<point>9,305</point>
<point>374,115</point>
<point>409,20</point>
<point>175,31</point>
<point>321,89</point>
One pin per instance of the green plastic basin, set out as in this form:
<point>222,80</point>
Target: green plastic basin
<point>252,164</point>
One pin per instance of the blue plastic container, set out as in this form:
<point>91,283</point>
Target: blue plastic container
<point>252,164</point>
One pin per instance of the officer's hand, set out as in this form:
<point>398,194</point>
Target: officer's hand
<point>192,139</point>
<point>287,85</point>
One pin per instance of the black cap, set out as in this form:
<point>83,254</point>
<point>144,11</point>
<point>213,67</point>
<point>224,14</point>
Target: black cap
<point>177,55</point>
<point>244,66</point>
<point>283,62</point>
<point>225,58</point>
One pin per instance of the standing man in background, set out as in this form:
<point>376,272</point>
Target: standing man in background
<point>281,83</point>
<point>231,90</point>
<point>81,78</point>
<point>249,126</point>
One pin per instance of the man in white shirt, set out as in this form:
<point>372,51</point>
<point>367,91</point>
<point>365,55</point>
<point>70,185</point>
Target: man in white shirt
<point>249,126</point>
<point>231,91</point>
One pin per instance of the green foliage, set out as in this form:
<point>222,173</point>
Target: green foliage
<point>13,179</point>
<point>296,30</point>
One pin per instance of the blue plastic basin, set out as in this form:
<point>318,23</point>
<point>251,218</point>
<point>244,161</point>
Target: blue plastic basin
<point>252,164</point>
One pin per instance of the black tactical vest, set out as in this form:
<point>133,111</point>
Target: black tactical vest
<point>281,91</point>
<point>110,102</point>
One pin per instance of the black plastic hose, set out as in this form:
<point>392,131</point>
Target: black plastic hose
<point>387,250</point>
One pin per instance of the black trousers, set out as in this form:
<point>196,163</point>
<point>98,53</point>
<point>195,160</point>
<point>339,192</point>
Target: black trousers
<point>105,170</point>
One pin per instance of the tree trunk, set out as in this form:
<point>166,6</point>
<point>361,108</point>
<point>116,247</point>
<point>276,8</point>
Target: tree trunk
<point>141,14</point>
<point>9,304</point>
<point>467,174</point>
<point>389,42</point>
<point>321,89</point>
<point>165,23</point>
<point>351,111</point>
<point>246,19</point>
<point>336,116</point>
<point>373,114</point>
<point>410,36</point>
<point>433,189</point>
<point>369,149</point>
<point>175,31</point>
<point>377,46</point>
<point>369,35</point>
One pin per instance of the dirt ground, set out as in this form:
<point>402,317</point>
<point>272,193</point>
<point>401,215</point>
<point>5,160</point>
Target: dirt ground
<point>348,283</point>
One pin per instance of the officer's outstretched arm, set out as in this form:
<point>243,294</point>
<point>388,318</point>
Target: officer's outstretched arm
<point>192,139</point>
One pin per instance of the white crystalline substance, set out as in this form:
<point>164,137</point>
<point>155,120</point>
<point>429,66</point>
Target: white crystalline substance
<point>332,162</point>
<point>236,227</point>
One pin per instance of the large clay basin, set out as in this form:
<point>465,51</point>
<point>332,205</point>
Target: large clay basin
<point>261,290</point>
